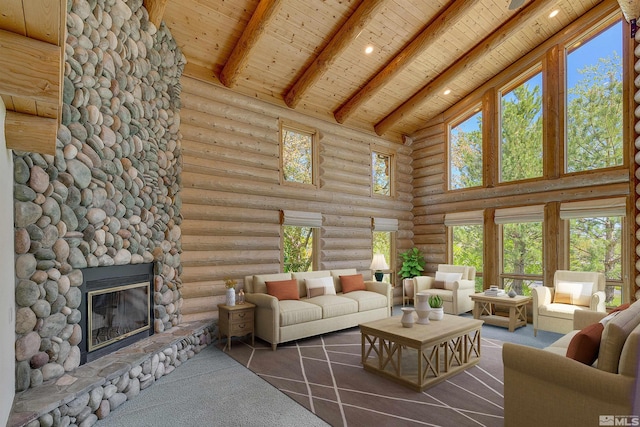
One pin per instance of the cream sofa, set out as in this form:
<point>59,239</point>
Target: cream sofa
<point>544,387</point>
<point>287,320</point>
<point>455,295</point>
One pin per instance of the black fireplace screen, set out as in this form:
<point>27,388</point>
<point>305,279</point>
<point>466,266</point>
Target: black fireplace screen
<point>117,313</point>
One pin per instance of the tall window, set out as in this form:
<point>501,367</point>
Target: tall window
<point>298,240</point>
<point>521,130</point>
<point>381,168</point>
<point>383,243</point>
<point>467,241</point>
<point>595,241</point>
<point>594,102</point>
<point>298,154</point>
<point>521,247</point>
<point>465,152</point>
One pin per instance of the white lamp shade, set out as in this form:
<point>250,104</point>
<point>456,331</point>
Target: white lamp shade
<point>378,263</point>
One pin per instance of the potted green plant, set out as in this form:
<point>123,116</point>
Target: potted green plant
<point>412,265</point>
<point>437,312</point>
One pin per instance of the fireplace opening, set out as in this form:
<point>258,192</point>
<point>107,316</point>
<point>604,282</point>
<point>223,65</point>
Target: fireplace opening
<point>116,308</point>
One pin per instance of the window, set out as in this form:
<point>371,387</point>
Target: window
<point>521,131</point>
<point>595,241</point>
<point>383,242</point>
<point>298,156</point>
<point>465,153</point>
<point>298,240</point>
<point>521,244</point>
<point>594,102</point>
<point>467,241</point>
<point>381,169</point>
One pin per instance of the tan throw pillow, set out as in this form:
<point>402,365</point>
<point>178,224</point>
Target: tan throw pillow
<point>438,284</point>
<point>584,346</point>
<point>320,286</point>
<point>576,293</point>
<point>352,283</point>
<point>283,289</point>
<point>448,278</point>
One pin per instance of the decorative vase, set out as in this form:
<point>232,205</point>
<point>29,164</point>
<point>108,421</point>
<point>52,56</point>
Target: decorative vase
<point>422,308</point>
<point>231,297</point>
<point>407,317</point>
<point>512,293</point>
<point>437,313</point>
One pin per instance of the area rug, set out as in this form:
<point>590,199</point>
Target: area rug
<point>324,374</point>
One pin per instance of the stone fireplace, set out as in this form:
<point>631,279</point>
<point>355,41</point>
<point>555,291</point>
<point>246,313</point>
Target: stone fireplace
<point>108,198</point>
<point>116,308</point>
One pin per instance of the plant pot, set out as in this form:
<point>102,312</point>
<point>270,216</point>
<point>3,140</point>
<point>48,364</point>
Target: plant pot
<point>407,317</point>
<point>231,297</point>
<point>437,313</point>
<point>407,288</point>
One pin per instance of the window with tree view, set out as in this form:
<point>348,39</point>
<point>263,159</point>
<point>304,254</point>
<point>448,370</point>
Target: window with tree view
<point>467,249</point>
<point>297,243</point>
<point>594,102</point>
<point>381,173</point>
<point>521,142</point>
<point>465,153</point>
<point>297,153</point>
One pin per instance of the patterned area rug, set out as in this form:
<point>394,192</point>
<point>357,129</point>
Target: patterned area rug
<point>324,374</point>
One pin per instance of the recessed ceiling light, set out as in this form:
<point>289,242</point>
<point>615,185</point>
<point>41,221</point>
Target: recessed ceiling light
<point>554,13</point>
<point>368,49</point>
<point>447,91</point>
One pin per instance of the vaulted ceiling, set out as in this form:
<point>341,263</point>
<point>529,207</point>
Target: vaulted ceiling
<point>310,55</point>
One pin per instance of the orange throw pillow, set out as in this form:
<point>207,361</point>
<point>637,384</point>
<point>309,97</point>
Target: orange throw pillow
<point>352,283</point>
<point>584,346</point>
<point>283,289</point>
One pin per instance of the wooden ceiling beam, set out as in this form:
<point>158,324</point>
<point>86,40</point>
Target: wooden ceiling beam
<point>264,13</point>
<point>338,43</point>
<point>156,10</point>
<point>415,48</point>
<point>467,61</point>
<point>25,132</point>
<point>30,68</point>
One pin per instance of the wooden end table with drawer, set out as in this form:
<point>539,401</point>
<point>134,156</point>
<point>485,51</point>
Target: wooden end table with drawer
<point>235,321</point>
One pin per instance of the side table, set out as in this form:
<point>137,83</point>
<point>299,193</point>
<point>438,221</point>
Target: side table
<point>235,321</point>
<point>483,310</point>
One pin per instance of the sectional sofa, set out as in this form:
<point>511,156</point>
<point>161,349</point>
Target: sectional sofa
<point>290,306</point>
<point>599,379</point>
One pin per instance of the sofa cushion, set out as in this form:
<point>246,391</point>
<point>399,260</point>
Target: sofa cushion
<point>585,344</point>
<point>444,294</point>
<point>576,293</point>
<point>334,306</point>
<point>352,283</point>
<point>283,289</point>
<point>259,280</point>
<point>615,333</point>
<point>367,300</point>
<point>630,356</point>
<point>561,311</point>
<point>319,286</point>
<point>294,312</point>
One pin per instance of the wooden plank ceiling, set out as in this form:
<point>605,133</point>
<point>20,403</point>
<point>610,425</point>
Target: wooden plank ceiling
<point>309,55</point>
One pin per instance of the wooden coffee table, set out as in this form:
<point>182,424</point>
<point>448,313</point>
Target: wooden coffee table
<point>483,310</point>
<point>421,356</point>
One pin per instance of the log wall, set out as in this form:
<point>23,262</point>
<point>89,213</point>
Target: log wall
<point>232,195</point>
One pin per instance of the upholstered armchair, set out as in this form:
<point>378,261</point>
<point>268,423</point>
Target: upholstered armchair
<point>453,283</point>
<point>553,307</point>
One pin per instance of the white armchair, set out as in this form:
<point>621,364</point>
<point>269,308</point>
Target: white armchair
<point>553,307</point>
<point>453,283</point>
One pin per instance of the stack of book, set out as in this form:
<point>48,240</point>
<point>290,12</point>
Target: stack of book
<point>494,291</point>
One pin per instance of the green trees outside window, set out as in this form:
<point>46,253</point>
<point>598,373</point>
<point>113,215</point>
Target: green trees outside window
<point>465,153</point>
<point>297,244</point>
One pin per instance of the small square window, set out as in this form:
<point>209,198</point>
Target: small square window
<point>298,155</point>
<point>381,169</point>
